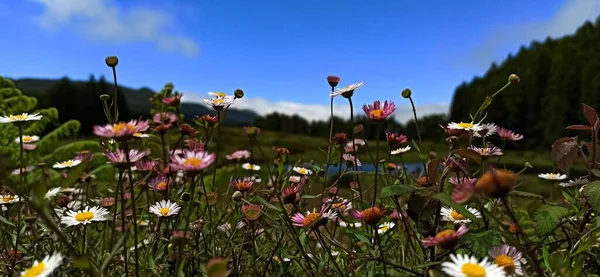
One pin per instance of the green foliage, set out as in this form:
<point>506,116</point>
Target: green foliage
<point>549,217</point>
<point>591,192</point>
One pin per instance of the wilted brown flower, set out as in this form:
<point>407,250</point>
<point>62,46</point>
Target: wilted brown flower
<point>187,130</point>
<point>340,138</point>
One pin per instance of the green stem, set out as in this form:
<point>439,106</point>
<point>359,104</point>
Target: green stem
<point>212,186</point>
<point>380,250</point>
<point>376,164</point>
<point>133,208</point>
<point>355,152</point>
<point>116,116</point>
<point>414,110</point>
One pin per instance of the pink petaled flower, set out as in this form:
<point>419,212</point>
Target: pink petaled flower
<point>333,80</point>
<point>509,258</point>
<point>192,161</point>
<point>370,216</point>
<point>238,155</point>
<point>165,118</point>
<point>464,189</point>
<point>243,185</point>
<point>146,166</point>
<point>118,156</point>
<point>395,215</point>
<point>446,239</point>
<point>338,204</point>
<point>351,159</point>
<point>358,142</point>
<point>378,112</point>
<point>314,218</point>
<point>84,155</point>
<point>173,100</point>
<point>194,145</point>
<point>291,194</point>
<point>121,130</point>
<point>487,151</point>
<point>29,146</point>
<point>508,135</point>
<point>395,139</point>
<point>159,183</point>
<point>251,130</point>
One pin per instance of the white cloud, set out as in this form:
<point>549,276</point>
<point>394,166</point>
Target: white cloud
<point>104,20</point>
<point>262,106</point>
<point>571,15</point>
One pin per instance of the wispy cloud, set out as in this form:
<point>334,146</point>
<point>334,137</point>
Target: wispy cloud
<point>106,21</point>
<point>571,15</point>
<point>262,106</point>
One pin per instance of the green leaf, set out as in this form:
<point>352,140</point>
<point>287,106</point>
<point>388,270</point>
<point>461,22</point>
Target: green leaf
<point>267,204</point>
<point>306,196</point>
<point>5,221</point>
<point>396,190</point>
<point>548,217</point>
<point>445,198</point>
<point>596,172</point>
<point>480,243</point>
<point>591,192</point>
<point>524,194</point>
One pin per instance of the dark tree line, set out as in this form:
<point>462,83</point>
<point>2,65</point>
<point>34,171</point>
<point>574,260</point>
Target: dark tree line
<point>556,77</point>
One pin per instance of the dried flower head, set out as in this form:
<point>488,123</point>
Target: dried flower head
<point>340,138</point>
<point>251,212</point>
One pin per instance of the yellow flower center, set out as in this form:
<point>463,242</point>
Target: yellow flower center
<point>217,102</point>
<point>8,198</point>
<point>384,228</point>
<point>67,163</point>
<point>220,94</point>
<point>464,125</point>
<point>445,234</point>
<point>553,176</point>
<point>84,216</point>
<point>376,114</point>
<point>35,270</point>
<point>193,161</point>
<point>302,171</point>
<point>138,135</point>
<point>242,186</point>
<point>473,270</point>
<point>341,205</point>
<point>456,216</point>
<point>513,228</point>
<point>161,186</point>
<point>120,126</point>
<point>507,262</point>
<point>27,139</point>
<point>17,117</point>
<point>311,218</point>
<point>164,211</point>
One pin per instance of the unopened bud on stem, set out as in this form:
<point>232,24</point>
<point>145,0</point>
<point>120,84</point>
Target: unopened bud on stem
<point>104,97</point>
<point>513,78</point>
<point>111,61</point>
<point>238,93</point>
<point>406,93</point>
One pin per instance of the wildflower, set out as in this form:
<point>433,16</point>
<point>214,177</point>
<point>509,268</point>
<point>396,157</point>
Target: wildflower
<point>496,183</point>
<point>237,196</point>
<point>218,103</point>
<point>165,208</point>
<point>464,189</point>
<point>339,204</point>
<point>508,258</point>
<point>107,202</point>
<point>291,194</point>
<point>218,95</point>
<point>27,139</point>
<point>166,118</point>
<point>371,216</point>
<point>400,150</point>
<point>487,130</point>
<point>118,156</point>
<point>249,166</point>
<point>313,219</point>
<point>406,93</point>
<point>579,181</point>
<point>513,78</point>
<point>395,139</point>
<point>464,126</point>
<point>112,61</point>
<point>351,159</point>
<point>67,164</point>
<point>194,145</point>
<point>173,100</point>
<point>192,161</point>
<point>450,214</point>
<point>333,81</point>
<point>44,267</point>
<point>251,131</point>
<point>212,197</point>
<point>465,266</point>
<point>197,225</point>
<point>146,166</point>
<point>446,239</point>
<point>238,93</point>
<point>159,183</point>
<point>423,181</point>
<point>121,130</point>
<point>242,185</point>
<point>20,118</point>
<point>552,176</point>
<point>140,135</point>
<point>226,227</point>
<point>9,198</point>
<point>347,91</point>
<point>251,211</point>
<point>395,215</point>
<point>85,216</point>
<point>238,155</point>
<point>386,226</point>
<point>487,151</point>
<point>508,135</point>
<point>208,120</point>
<point>52,193</point>
<point>302,170</point>
<point>349,224</point>
<point>378,112</point>
<point>187,130</point>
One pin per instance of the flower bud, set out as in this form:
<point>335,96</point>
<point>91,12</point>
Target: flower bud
<point>406,93</point>
<point>238,93</point>
<point>513,78</point>
<point>104,97</point>
<point>237,196</point>
<point>185,197</point>
<point>112,61</point>
<point>333,81</point>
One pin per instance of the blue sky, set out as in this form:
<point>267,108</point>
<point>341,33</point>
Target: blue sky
<point>280,52</point>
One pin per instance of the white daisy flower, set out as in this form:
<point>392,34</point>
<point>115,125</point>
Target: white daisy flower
<point>508,258</point>
<point>487,130</point>
<point>67,164</point>
<point>25,170</point>
<point>249,166</point>
<point>28,139</point>
<point>9,199</point>
<point>302,170</point>
<point>579,181</point>
<point>465,266</point>
<point>165,208</point>
<point>141,135</point>
<point>52,193</point>
<point>219,102</point>
<point>347,90</point>
<point>450,214</point>
<point>218,94</point>
<point>552,176</point>
<point>383,228</point>
<point>44,267</point>
<point>71,206</point>
<point>20,118</point>
<point>85,216</point>
<point>465,126</point>
<point>400,150</point>
<point>349,224</point>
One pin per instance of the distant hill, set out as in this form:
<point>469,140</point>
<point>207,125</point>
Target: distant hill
<point>137,99</point>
